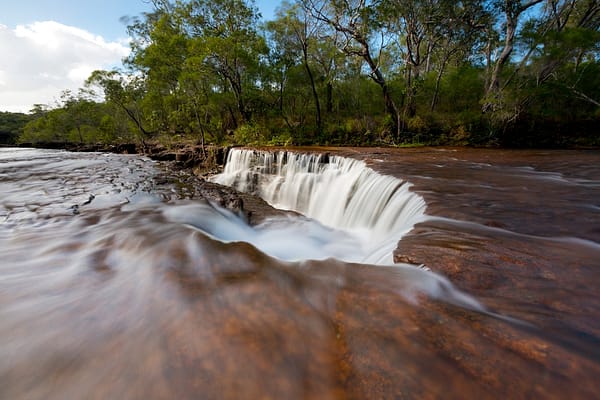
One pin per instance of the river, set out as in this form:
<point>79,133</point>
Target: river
<point>118,280</point>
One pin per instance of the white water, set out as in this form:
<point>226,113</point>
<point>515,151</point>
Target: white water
<point>367,212</point>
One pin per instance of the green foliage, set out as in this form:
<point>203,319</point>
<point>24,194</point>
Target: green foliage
<point>391,72</point>
<point>78,120</point>
<point>282,139</point>
<point>11,126</point>
<point>247,134</point>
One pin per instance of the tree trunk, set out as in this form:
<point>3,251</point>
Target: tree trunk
<point>411,109</point>
<point>329,97</point>
<point>493,89</point>
<point>201,127</point>
<point>438,80</point>
<point>378,78</point>
<point>281,91</point>
<point>136,120</point>
<point>351,30</point>
<point>436,91</point>
<point>241,106</point>
<point>235,82</point>
<point>312,86</point>
<point>513,9</point>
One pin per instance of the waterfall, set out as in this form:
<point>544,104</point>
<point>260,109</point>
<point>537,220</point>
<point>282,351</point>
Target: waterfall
<point>340,193</point>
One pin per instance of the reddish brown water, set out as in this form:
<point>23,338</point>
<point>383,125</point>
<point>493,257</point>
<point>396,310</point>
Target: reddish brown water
<point>126,296</point>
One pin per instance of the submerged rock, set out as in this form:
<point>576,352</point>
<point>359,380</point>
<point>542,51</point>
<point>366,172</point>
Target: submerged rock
<point>188,185</point>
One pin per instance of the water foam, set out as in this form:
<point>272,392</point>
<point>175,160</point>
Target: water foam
<point>341,193</point>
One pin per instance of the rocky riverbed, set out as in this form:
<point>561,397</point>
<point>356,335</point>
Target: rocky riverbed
<point>126,295</point>
<point>520,231</point>
<point>205,159</point>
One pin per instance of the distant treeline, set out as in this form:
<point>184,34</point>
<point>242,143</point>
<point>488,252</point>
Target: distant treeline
<point>11,126</point>
<point>472,72</point>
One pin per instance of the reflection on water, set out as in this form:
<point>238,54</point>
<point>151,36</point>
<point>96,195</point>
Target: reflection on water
<point>111,286</point>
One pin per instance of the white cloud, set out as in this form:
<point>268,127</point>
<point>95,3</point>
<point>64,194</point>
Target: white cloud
<point>42,59</point>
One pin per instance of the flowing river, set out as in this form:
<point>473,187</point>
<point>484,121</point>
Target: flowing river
<point>118,280</point>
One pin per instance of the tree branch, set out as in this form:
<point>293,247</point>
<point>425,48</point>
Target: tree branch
<point>585,97</point>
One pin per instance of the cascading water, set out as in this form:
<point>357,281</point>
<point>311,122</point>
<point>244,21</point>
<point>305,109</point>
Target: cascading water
<point>340,193</point>
<point>112,285</point>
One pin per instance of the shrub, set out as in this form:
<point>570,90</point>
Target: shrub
<point>247,134</point>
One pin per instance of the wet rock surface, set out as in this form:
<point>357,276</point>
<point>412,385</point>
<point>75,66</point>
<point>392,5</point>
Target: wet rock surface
<point>183,172</point>
<point>519,230</point>
<point>188,185</point>
<point>205,159</point>
<point>125,303</point>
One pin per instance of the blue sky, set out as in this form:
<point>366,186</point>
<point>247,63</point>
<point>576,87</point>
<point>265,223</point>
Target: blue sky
<point>49,46</point>
<point>98,17</point>
<point>101,17</point>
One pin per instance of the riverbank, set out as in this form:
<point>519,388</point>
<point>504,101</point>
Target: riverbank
<point>205,159</point>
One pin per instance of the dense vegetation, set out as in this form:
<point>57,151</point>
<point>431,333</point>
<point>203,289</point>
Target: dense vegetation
<point>11,126</point>
<point>507,72</point>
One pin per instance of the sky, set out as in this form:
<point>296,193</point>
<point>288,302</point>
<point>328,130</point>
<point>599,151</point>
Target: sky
<point>47,47</point>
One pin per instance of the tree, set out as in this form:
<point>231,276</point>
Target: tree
<point>412,24</point>
<point>356,21</point>
<point>11,126</point>
<point>77,118</point>
<point>162,61</point>
<point>294,34</point>
<point>223,39</point>
<point>512,11</point>
<point>457,30</point>
<point>342,71</point>
<point>568,33</point>
<point>125,92</point>
<point>80,112</point>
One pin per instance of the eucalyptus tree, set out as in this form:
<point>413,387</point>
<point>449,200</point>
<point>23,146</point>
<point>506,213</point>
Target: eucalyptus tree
<point>428,34</point>
<point>511,11</point>
<point>81,114</point>
<point>161,59</point>
<point>552,41</point>
<point>163,62</point>
<point>223,38</point>
<point>76,118</point>
<point>305,31</point>
<point>299,38</point>
<point>330,62</point>
<point>411,23</point>
<point>567,34</point>
<point>49,127</point>
<point>204,107</point>
<point>285,60</point>
<point>126,93</point>
<point>458,29</point>
<point>361,35</point>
